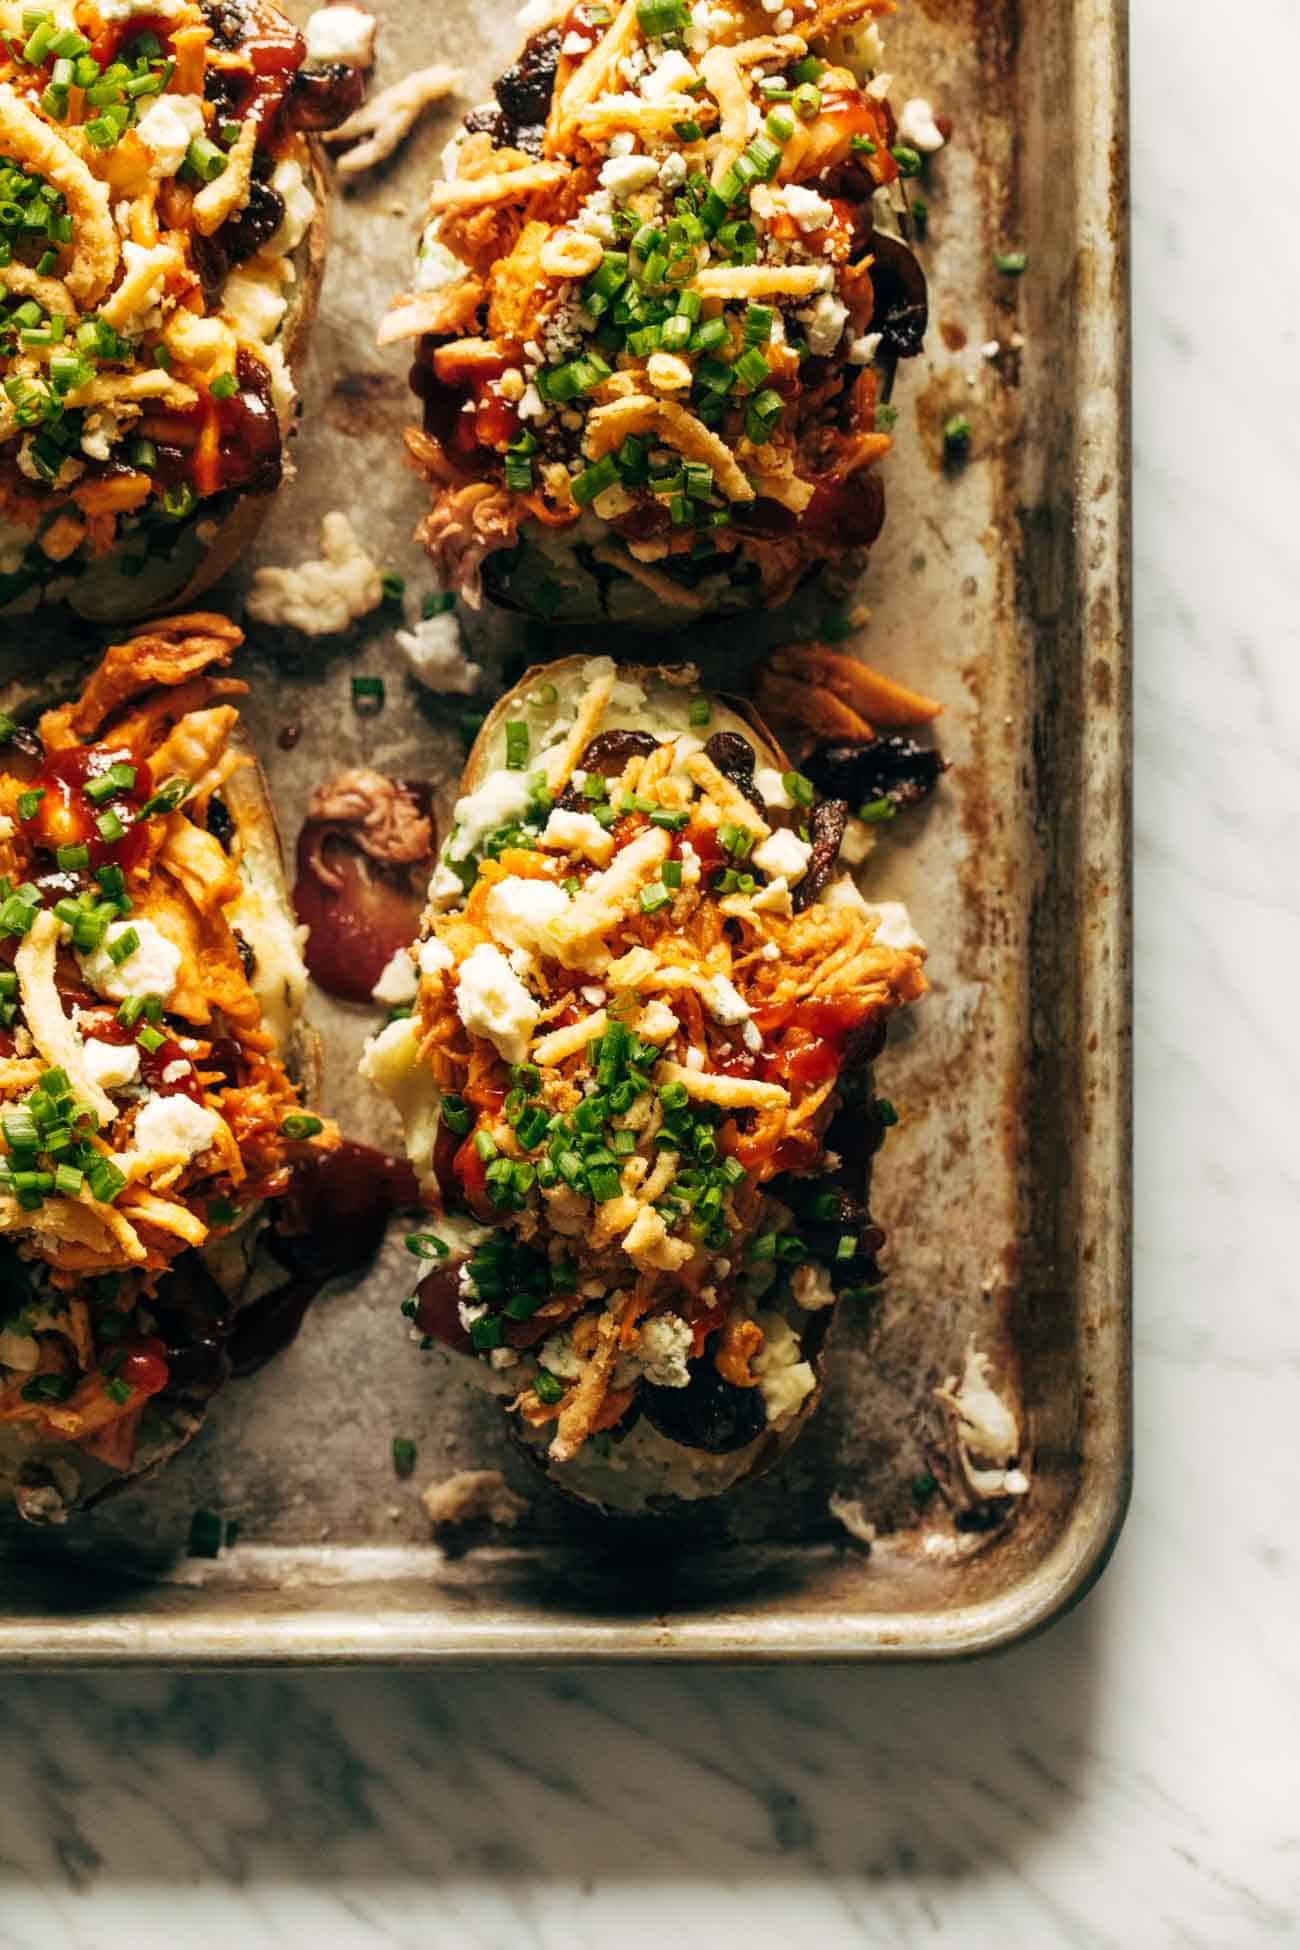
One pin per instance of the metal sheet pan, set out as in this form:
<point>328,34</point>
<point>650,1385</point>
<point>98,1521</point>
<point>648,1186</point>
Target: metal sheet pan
<point>1003,588</point>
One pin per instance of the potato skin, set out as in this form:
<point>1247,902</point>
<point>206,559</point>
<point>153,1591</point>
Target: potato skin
<point>100,596</point>
<point>32,1469</point>
<point>758,1457</point>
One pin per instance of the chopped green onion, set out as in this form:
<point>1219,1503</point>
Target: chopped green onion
<point>404,1454</point>
<point>516,746</point>
<point>205,159</point>
<point>595,479</point>
<point>301,1124</point>
<point>806,101</point>
<point>29,804</point>
<point>367,696</point>
<point>751,369</point>
<point>151,1039</point>
<point>106,1182</point>
<point>956,437</point>
<point>547,1388</point>
<point>798,788</point>
<point>1010,263</point>
<point>908,160</point>
<point>659,17</point>
<point>123,946</point>
<point>426,1245</point>
<point>118,778</point>
<point>223,386</point>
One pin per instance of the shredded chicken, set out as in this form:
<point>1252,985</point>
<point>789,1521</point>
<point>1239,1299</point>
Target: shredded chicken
<point>382,816</point>
<point>465,526</point>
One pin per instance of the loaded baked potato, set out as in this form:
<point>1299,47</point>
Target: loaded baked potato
<point>151,1062</point>
<point>162,237</point>
<point>646,992</point>
<point>657,305</point>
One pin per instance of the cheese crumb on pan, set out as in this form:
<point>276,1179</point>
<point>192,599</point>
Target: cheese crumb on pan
<point>324,597</point>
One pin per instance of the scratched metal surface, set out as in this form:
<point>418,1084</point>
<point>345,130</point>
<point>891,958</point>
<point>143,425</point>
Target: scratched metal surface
<point>1002,588</point>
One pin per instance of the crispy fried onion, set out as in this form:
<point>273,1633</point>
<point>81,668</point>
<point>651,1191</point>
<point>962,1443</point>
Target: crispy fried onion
<point>144,278</point>
<point>388,117</point>
<point>724,77</point>
<point>578,1416</point>
<point>592,75</point>
<point>51,294</point>
<point>503,186</point>
<point>52,1033</point>
<point>76,1232</point>
<point>230,191</point>
<point>609,426</point>
<point>40,149</point>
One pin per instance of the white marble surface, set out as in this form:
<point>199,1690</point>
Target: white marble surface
<point>1133,1779</point>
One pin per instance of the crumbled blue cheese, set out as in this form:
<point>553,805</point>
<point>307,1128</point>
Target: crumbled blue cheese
<point>622,176</point>
<point>252,304</point>
<point>671,75</point>
<point>894,926</point>
<point>579,833</point>
<point>167,128</point>
<point>665,1347</point>
<point>176,1127</point>
<point>435,265</point>
<point>341,33</point>
<point>290,185</point>
<point>150,969</point>
<point>491,1001</point>
<point>501,800</point>
<point>771,788</point>
<point>724,1001</point>
<point>112,1065</point>
<point>809,210</point>
<point>786,1380</point>
<point>917,128</point>
<point>397,982</point>
<point>434,956</point>
<point>824,319</point>
<point>320,598</point>
<point>782,854</point>
<point>436,658</point>
<point>521,913</point>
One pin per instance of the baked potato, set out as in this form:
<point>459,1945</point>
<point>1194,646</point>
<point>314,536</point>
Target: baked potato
<point>657,308</point>
<point>645,990</point>
<point>153,1062</point>
<point>162,240</point>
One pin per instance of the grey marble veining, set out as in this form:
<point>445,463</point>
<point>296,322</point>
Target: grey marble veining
<point>1132,1779</point>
